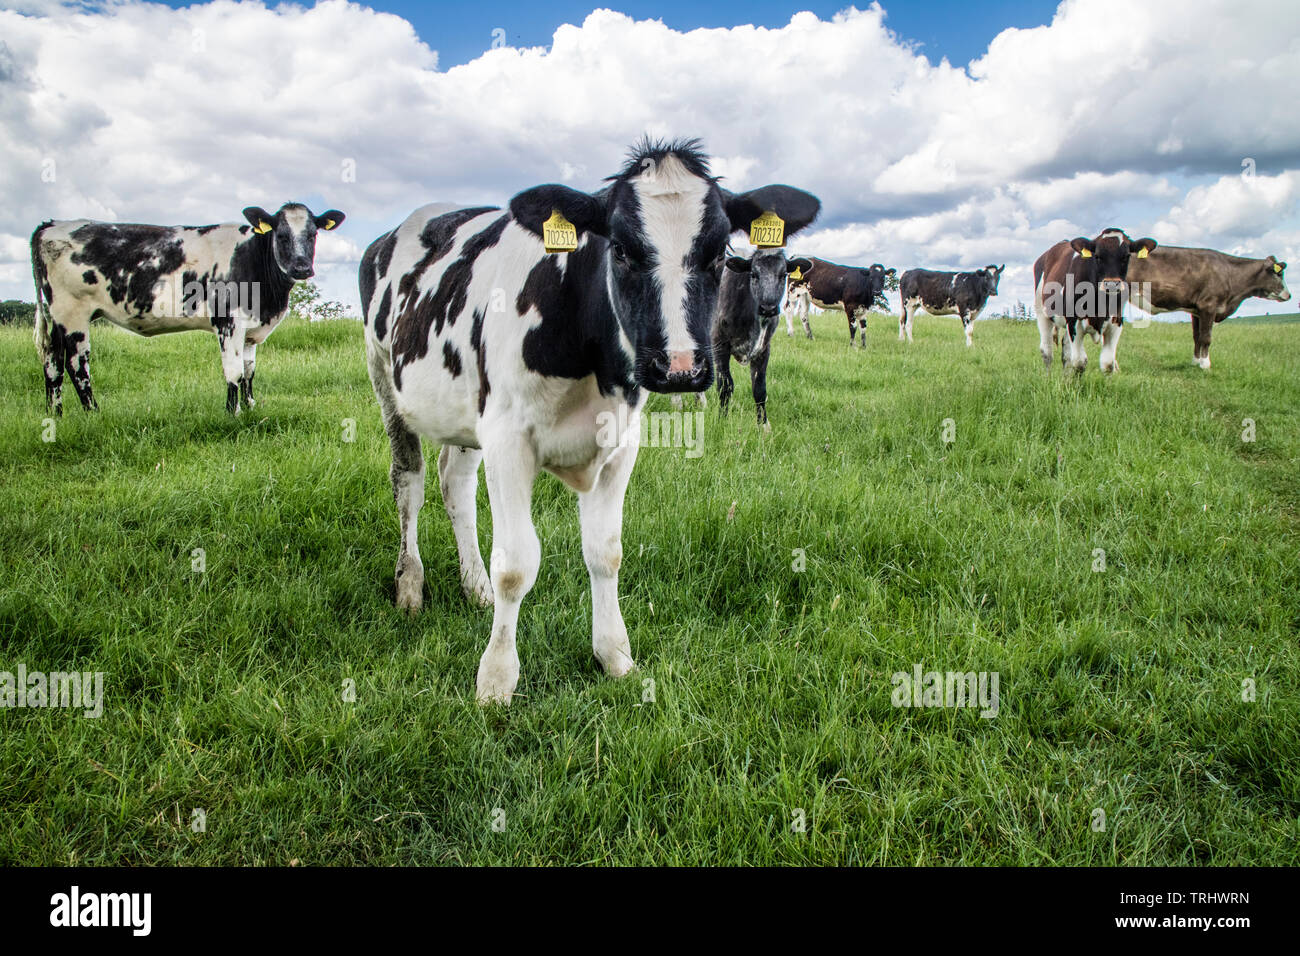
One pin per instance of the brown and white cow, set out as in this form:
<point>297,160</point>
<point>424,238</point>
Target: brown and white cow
<point>1080,288</point>
<point>1208,284</point>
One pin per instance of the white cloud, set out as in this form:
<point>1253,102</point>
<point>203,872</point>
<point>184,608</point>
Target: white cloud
<point>1117,113</point>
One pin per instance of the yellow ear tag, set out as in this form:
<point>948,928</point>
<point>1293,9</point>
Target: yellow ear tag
<point>1086,253</point>
<point>767,231</point>
<point>1277,267</point>
<point>797,274</point>
<point>1142,253</point>
<point>558,234</point>
<point>329,224</point>
<point>262,228</point>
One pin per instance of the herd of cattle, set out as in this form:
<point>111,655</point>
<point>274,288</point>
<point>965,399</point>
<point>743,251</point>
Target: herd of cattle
<point>515,337</point>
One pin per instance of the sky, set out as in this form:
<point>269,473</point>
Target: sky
<point>941,135</point>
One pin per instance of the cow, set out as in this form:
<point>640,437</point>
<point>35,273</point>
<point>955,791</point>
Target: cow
<point>1080,287</point>
<point>527,339</point>
<point>964,294</point>
<point>855,289</point>
<point>797,302</point>
<point>749,309</point>
<point>232,279</point>
<point>1208,284</point>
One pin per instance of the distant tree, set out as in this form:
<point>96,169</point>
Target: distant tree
<point>307,303</point>
<point>17,312</point>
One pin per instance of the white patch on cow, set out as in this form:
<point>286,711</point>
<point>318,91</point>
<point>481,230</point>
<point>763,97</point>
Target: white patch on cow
<point>672,208</point>
<point>1109,346</point>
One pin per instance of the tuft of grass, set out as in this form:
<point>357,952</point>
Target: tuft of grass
<point>764,692</point>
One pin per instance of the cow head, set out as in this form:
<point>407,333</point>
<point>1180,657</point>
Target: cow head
<point>291,233</point>
<point>661,227</point>
<point>1273,281</point>
<point>1102,271</point>
<point>877,275</point>
<point>991,276</point>
<point>767,270</point>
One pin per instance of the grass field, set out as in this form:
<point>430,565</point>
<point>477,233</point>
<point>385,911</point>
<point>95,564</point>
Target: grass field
<point>1121,690</point>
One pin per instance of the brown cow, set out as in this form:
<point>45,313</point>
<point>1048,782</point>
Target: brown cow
<point>1080,287</point>
<point>1208,284</point>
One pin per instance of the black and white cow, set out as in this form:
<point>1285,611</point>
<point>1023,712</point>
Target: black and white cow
<point>479,339</point>
<point>749,310</point>
<point>855,289</point>
<point>1081,288</point>
<point>963,294</point>
<point>232,279</point>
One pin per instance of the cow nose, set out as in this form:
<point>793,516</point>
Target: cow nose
<point>767,312</point>
<point>302,269</point>
<point>678,371</point>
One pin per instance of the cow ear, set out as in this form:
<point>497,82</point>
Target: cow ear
<point>891,272</point>
<point>261,220</point>
<point>799,265</point>
<point>329,220</point>
<point>1141,247</point>
<point>738,264</point>
<point>1082,246</point>
<point>796,207</point>
<point>532,207</point>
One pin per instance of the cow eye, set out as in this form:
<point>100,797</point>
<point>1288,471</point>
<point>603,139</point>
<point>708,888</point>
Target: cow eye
<point>619,252</point>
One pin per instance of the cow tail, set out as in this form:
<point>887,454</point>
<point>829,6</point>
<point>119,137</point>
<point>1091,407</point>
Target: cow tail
<point>44,320</point>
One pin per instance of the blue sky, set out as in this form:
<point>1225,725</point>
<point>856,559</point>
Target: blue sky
<point>959,30</point>
<point>460,32</point>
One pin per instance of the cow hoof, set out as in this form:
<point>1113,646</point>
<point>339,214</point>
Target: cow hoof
<point>767,427</point>
<point>616,659</point>
<point>1203,363</point>
<point>498,675</point>
<point>410,584</point>
<point>478,589</point>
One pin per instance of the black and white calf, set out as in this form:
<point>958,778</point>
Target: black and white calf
<point>855,289</point>
<point>798,302</point>
<point>749,310</point>
<point>232,279</point>
<point>964,294</point>
<point>480,340</point>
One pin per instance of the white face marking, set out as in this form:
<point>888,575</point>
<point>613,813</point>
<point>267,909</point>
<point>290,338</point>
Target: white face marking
<point>672,208</point>
<point>296,219</point>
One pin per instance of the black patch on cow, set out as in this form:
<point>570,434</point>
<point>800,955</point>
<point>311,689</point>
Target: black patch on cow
<point>366,280</point>
<point>578,335</point>
<point>132,258</point>
<point>480,358</point>
<point>89,277</point>
<point>451,359</point>
<point>254,262</point>
<point>381,315</point>
<point>384,255</point>
<point>425,315</point>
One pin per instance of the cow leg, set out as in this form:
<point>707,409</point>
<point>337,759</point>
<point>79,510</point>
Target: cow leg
<point>789,323</point>
<point>230,339</point>
<point>758,386</point>
<point>246,381</point>
<point>458,479</point>
<point>853,324</point>
<point>862,324</point>
<point>50,347</point>
<point>1047,340</point>
<point>1202,330</point>
<point>725,383</point>
<point>1109,346</point>
<point>803,317</point>
<point>76,359</point>
<point>968,320</point>
<point>407,477</point>
<point>600,512</point>
<point>1078,357</point>
<point>511,468</point>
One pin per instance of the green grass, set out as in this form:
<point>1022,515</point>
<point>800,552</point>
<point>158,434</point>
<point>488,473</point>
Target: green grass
<point>1120,690</point>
